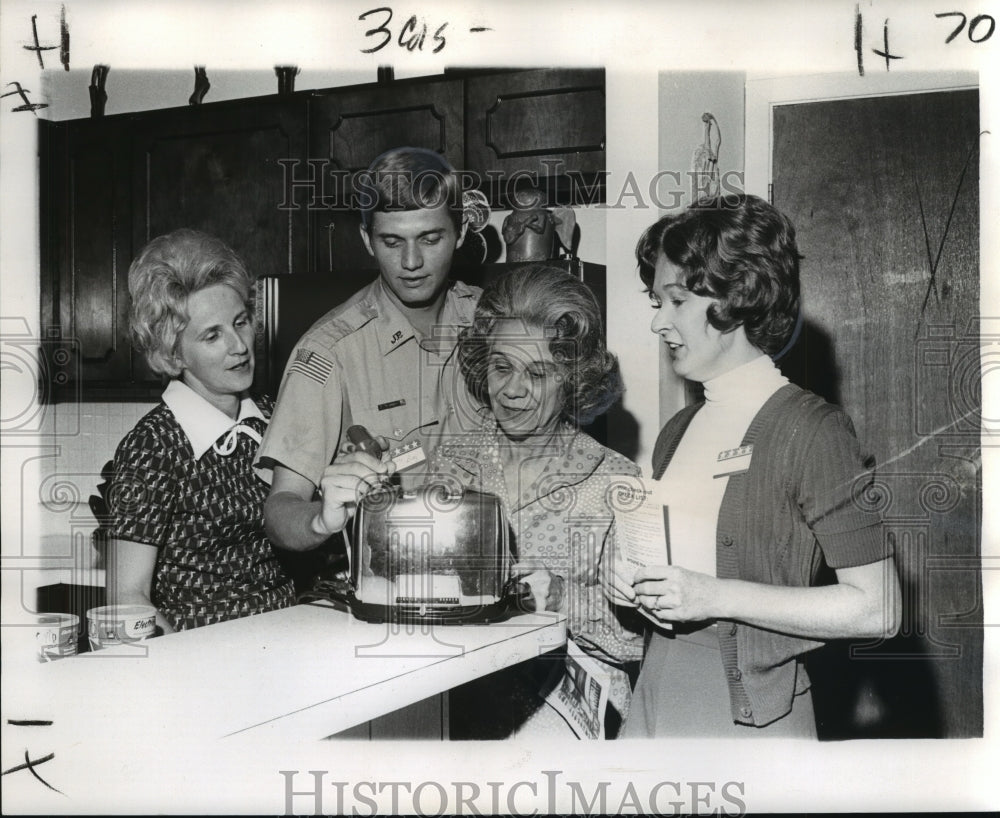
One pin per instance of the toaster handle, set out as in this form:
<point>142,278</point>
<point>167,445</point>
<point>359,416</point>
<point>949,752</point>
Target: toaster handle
<point>362,438</point>
<point>337,590</point>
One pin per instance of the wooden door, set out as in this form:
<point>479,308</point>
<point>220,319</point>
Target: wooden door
<point>219,169</point>
<point>884,195</point>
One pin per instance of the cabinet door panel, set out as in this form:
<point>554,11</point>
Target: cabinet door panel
<point>350,128</point>
<point>95,301</point>
<point>85,254</point>
<point>543,127</point>
<point>217,170</point>
<point>545,123</point>
<point>357,138</point>
<point>86,210</point>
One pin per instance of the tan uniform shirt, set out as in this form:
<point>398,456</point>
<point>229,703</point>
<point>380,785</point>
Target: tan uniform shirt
<point>363,363</point>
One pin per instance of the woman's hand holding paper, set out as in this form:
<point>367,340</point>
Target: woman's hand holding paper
<point>617,578</point>
<point>669,593</point>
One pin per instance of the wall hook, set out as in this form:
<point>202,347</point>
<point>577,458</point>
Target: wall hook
<point>201,85</point>
<point>705,161</point>
<point>98,95</point>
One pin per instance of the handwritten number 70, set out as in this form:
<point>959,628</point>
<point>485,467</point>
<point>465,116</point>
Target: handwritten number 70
<point>973,25</point>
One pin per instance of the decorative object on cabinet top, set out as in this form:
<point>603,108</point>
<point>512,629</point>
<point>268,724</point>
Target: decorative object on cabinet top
<point>476,215</point>
<point>705,159</point>
<point>534,233</point>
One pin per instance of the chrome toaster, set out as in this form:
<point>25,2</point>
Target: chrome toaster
<point>430,555</point>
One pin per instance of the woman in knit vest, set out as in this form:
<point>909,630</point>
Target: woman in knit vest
<point>764,483</point>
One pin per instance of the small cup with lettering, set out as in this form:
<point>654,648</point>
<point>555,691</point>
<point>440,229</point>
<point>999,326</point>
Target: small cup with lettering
<point>111,625</point>
<point>56,635</point>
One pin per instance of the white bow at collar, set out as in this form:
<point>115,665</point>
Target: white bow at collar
<point>226,445</point>
<point>206,426</point>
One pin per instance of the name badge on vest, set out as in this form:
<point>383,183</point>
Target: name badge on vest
<point>733,461</point>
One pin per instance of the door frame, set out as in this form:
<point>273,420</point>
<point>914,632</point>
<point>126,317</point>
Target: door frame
<point>764,93</point>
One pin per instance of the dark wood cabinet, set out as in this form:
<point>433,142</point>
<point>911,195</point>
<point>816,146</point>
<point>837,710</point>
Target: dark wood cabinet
<point>109,185</point>
<point>538,128</point>
<point>218,168</point>
<point>349,128</point>
<point>86,232</point>
<point>273,176</point>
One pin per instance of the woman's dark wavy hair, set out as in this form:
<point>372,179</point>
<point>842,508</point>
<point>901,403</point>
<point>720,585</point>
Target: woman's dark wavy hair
<point>744,256</point>
<point>550,298</point>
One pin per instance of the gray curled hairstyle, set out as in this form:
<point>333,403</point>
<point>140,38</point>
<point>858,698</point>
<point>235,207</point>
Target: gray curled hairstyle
<point>550,298</point>
<point>162,278</point>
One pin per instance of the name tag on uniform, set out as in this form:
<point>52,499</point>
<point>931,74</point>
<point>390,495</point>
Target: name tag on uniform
<point>733,461</point>
<point>407,456</point>
<point>391,404</point>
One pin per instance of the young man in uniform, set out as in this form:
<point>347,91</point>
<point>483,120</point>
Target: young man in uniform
<point>383,359</point>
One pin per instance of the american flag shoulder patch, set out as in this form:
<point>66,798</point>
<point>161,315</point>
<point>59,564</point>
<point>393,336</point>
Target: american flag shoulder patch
<point>311,364</point>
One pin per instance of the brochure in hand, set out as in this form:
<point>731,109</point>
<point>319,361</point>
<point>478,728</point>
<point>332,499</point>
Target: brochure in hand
<point>642,522</point>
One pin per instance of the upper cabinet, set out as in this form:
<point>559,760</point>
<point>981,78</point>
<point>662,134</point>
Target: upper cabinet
<point>541,128</point>
<point>220,169</point>
<point>86,233</point>
<point>274,177</point>
<point>350,127</point>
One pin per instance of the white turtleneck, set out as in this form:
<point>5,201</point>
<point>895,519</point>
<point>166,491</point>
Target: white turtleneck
<point>690,487</point>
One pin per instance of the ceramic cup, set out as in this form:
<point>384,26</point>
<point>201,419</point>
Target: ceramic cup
<point>56,635</point>
<point>119,624</point>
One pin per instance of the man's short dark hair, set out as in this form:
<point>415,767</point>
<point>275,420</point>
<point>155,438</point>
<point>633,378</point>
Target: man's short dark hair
<point>409,179</point>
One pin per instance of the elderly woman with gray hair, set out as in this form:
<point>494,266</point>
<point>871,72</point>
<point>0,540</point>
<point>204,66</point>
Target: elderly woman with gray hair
<point>187,532</point>
<point>534,359</point>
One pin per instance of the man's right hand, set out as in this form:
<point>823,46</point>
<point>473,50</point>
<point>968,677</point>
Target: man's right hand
<point>342,486</point>
<point>293,516</point>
